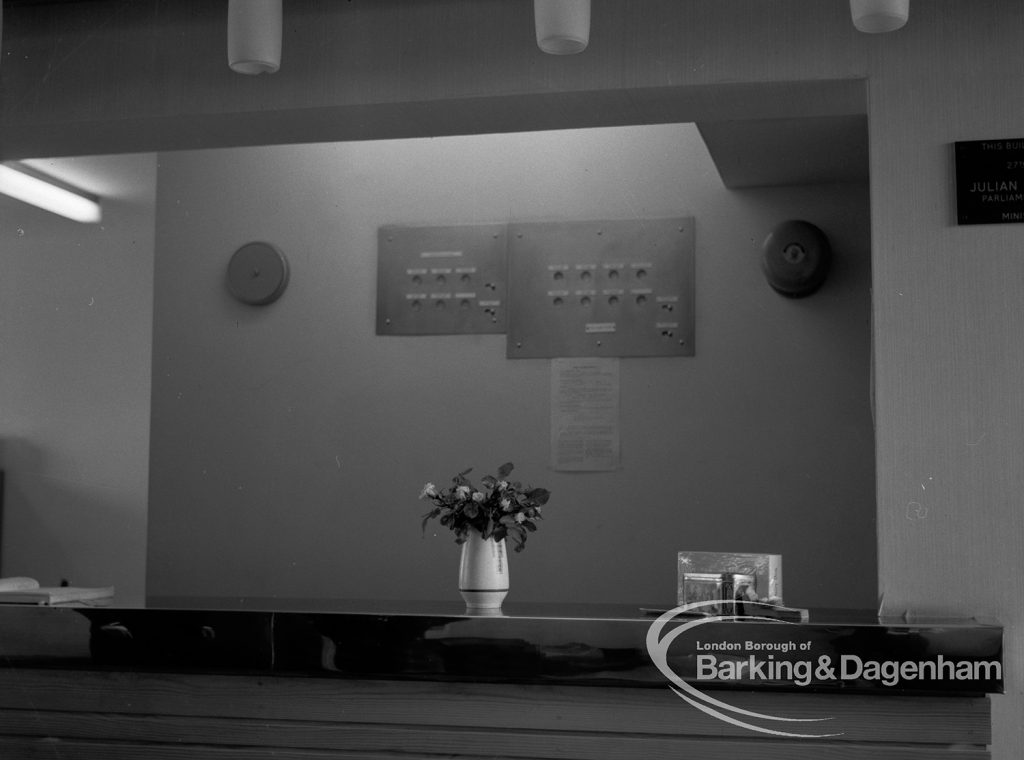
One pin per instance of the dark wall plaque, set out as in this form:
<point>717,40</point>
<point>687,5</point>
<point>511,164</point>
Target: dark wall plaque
<point>989,181</point>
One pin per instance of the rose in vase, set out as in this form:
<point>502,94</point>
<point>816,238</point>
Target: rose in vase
<point>499,508</point>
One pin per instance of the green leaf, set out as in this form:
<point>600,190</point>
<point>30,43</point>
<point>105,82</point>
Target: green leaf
<point>539,495</point>
<point>428,517</point>
<point>504,470</point>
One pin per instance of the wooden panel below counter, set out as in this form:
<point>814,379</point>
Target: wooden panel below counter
<point>110,715</point>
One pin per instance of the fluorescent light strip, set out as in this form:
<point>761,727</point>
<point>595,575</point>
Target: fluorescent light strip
<point>47,195</point>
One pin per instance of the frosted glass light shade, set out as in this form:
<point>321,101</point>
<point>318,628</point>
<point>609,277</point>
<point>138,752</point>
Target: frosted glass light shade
<point>875,16</point>
<point>254,36</point>
<point>37,190</point>
<point>563,26</point>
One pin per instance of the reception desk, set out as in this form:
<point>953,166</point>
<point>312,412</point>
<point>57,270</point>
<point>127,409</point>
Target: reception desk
<point>245,678</point>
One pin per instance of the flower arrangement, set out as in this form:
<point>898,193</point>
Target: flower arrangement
<point>499,509</point>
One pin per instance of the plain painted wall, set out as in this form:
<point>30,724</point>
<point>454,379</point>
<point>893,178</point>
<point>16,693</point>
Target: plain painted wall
<point>290,443</point>
<point>949,315</point>
<point>76,331</point>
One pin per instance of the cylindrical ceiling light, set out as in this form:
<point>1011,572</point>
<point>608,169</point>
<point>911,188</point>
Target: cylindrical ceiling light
<point>254,36</point>
<point>875,16</point>
<point>563,26</point>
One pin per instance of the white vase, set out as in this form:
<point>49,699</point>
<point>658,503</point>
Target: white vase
<point>483,573</point>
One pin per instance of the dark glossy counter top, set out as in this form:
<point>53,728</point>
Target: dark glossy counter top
<point>528,643</point>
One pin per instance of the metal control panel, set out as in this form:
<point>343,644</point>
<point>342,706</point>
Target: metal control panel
<point>441,280</point>
<point>601,288</point>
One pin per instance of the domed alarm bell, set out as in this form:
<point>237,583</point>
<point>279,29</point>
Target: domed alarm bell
<point>795,258</point>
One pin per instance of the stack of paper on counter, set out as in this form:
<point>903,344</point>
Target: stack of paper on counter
<point>20,590</point>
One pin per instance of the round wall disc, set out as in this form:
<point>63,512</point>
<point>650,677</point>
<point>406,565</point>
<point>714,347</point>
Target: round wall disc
<point>257,274</point>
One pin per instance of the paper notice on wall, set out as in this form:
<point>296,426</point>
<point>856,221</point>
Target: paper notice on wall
<point>584,414</point>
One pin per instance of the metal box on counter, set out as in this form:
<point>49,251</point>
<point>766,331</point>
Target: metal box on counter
<point>704,576</point>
